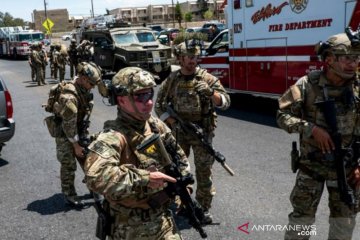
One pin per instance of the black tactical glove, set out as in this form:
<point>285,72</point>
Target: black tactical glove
<point>204,89</point>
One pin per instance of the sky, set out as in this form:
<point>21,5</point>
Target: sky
<point>24,8</point>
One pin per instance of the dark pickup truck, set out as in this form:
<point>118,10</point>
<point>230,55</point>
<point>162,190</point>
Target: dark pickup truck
<point>7,123</point>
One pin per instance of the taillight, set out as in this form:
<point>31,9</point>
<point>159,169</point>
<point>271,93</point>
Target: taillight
<point>9,106</point>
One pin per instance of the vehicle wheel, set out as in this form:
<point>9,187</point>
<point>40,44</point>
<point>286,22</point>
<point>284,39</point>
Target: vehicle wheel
<point>14,55</point>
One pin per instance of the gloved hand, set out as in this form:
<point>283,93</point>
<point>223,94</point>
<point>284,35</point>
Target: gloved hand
<point>204,89</point>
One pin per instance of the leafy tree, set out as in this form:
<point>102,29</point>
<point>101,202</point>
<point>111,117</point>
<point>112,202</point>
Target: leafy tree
<point>188,17</point>
<point>203,7</point>
<point>178,14</point>
<point>6,20</point>
<point>208,15</point>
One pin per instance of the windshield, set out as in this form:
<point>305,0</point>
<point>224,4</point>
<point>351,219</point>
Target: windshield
<point>31,36</point>
<point>130,37</point>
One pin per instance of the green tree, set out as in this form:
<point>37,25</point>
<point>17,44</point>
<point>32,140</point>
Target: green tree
<point>208,15</point>
<point>178,14</point>
<point>188,17</point>
<point>6,20</point>
<point>203,7</point>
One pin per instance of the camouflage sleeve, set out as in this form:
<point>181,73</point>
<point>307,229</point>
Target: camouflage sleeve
<point>215,84</point>
<point>104,172</point>
<point>291,104</point>
<point>162,100</point>
<point>69,109</point>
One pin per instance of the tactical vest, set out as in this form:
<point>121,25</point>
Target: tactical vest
<point>68,88</point>
<point>142,160</point>
<point>346,110</point>
<point>187,103</point>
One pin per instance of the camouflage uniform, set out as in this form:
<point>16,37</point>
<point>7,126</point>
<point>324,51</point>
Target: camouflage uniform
<point>299,114</point>
<point>55,55</point>
<point>36,60</point>
<point>73,56</point>
<point>74,103</point>
<point>50,56</point>
<point>32,65</point>
<point>180,91</point>
<point>116,169</point>
<point>85,51</point>
<point>43,58</point>
<point>60,61</point>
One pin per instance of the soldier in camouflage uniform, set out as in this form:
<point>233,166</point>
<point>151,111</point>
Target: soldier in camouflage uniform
<point>51,57</point>
<point>194,94</point>
<point>126,177</point>
<point>298,113</point>
<point>37,62</point>
<point>85,51</point>
<point>32,65</point>
<point>60,58</point>
<point>43,57</point>
<point>74,103</point>
<point>73,57</point>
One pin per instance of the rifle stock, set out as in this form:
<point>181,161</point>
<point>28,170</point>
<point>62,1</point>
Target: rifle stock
<point>194,130</point>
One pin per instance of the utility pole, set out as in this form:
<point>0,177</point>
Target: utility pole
<point>92,8</point>
<point>46,19</point>
<point>173,9</point>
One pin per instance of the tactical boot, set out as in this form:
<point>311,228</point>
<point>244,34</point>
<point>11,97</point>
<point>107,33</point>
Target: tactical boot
<point>73,201</point>
<point>208,218</point>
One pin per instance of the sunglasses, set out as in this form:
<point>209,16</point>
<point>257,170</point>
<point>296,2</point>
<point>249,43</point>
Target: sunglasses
<point>143,97</point>
<point>348,57</point>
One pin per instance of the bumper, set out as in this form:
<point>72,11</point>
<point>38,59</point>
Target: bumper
<point>7,130</point>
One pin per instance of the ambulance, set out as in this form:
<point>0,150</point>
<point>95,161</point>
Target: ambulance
<point>270,44</point>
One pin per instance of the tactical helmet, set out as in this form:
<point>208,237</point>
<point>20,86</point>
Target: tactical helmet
<point>91,70</point>
<point>191,47</point>
<point>131,79</point>
<point>337,44</point>
<point>73,41</point>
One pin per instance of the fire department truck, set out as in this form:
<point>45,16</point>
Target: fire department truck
<point>15,41</point>
<point>270,44</point>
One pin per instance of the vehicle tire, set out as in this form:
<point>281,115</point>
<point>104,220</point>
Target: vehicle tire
<point>14,55</point>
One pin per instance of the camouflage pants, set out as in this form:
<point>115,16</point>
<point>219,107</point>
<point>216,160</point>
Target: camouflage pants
<point>203,168</point>
<point>66,156</point>
<point>159,226</point>
<point>39,74</point>
<point>43,68</point>
<point>51,69</point>
<point>72,69</point>
<point>55,66</point>
<point>33,73</point>
<point>61,72</point>
<point>305,199</point>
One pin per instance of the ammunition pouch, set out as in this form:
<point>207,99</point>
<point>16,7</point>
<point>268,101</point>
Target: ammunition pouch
<point>53,123</point>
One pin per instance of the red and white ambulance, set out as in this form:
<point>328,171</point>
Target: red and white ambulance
<point>270,44</point>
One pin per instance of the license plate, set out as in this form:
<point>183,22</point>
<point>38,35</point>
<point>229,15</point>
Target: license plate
<point>156,57</point>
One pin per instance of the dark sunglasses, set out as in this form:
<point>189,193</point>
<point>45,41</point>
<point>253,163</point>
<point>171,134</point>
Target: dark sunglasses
<point>143,97</point>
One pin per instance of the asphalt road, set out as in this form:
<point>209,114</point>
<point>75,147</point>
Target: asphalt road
<point>31,205</point>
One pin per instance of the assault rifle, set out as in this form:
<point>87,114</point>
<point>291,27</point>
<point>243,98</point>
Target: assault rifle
<point>195,130</point>
<point>193,211</point>
<point>341,156</point>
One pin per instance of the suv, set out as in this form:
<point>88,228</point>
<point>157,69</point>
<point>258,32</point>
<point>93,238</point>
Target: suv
<point>116,48</point>
<point>7,123</point>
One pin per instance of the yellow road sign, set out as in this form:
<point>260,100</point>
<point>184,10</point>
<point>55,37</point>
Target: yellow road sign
<point>48,24</point>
